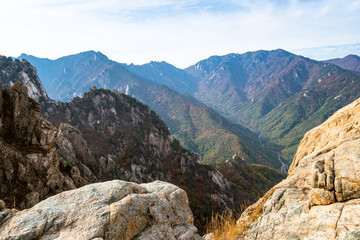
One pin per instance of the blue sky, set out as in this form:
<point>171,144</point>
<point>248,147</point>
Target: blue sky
<point>180,32</point>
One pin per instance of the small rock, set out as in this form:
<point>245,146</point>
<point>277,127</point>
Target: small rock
<point>2,204</point>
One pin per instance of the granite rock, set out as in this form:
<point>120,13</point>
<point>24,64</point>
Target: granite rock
<point>320,198</point>
<point>108,210</point>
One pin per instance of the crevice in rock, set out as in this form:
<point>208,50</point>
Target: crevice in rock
<point>337,221</point>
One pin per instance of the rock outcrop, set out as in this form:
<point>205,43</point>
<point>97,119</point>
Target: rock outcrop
<point>109,210</point>
<point>320,199</point>
<point>16,71</point>
<point>30,166</point>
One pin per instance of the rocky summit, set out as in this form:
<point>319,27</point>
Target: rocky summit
<point>16,71</point>
<point>320,198</point>
<point>109,210</point>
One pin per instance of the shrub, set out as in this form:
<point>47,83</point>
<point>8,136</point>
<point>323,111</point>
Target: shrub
<point>223,226</point>
<point>68,166</point>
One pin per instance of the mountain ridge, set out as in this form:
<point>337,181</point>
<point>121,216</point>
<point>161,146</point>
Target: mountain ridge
<point>262,90</point>
<point>349,62</point>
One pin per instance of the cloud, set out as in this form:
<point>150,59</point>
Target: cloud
<point>178,31</point>
<point>329,52</point>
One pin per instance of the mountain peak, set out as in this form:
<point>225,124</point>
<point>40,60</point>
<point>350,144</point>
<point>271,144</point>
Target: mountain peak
<point>97,55</point>
<point>23,56</point>
<point>349,62</point>
<point>352,56</point>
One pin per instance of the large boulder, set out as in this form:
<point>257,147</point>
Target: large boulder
<point>320,199</point>
<point>108,210</point>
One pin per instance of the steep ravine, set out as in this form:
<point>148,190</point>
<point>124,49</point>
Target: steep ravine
<point>284,166</point>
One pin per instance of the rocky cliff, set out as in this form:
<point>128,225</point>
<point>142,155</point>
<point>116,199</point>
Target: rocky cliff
<point>30,166</point>
<point>109,210</point>
<point>320,199</point>
<point>16,71</point>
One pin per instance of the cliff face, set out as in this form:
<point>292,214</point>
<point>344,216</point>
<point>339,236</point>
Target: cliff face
<point>30,167</point>
<point>320,199</point>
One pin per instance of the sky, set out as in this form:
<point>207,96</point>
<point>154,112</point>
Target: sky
<point>180,32</point>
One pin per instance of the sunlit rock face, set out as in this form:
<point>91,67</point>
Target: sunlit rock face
<point>16,71</point>
<point>320,199</point>
<point>108,210</point>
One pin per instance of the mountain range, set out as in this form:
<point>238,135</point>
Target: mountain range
<point>276,94</point>
<point>198,127</point>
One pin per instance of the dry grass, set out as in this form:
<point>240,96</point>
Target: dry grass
<point>223,226</point>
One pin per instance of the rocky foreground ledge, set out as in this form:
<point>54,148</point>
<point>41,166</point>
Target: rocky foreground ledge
<point>320,198</point>
<point>108,210</point>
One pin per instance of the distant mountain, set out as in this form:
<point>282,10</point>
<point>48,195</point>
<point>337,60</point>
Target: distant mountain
<point>236,82</point>
<point>275,93</point>
<point>71,76</point>
<point>278,94</point>
<point>166,74</point>
<point>350,62</point>
<point>199,128</point>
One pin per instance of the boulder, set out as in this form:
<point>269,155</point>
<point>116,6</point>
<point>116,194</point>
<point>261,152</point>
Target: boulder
<point>108,210</point>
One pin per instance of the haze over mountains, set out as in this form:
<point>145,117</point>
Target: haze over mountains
<point>277,94</point>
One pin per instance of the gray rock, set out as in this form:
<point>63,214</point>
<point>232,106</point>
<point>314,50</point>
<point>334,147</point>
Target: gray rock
<point>109,210</point>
